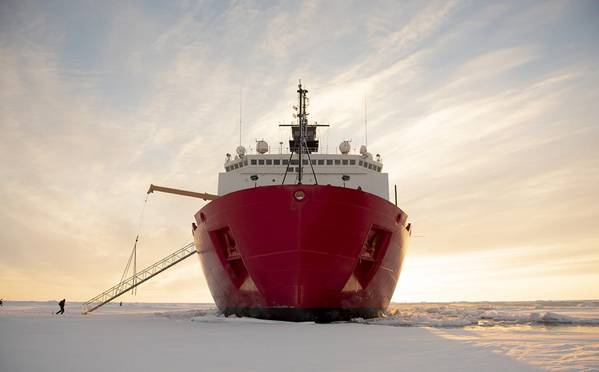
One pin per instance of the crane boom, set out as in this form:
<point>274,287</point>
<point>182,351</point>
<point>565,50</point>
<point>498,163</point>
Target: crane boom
<point>168,190</point>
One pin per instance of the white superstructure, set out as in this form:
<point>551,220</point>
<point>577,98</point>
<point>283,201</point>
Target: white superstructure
<point>304,165</point>
<point>363,172</point>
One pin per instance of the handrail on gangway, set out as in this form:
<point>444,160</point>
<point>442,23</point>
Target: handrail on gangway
<point>140,277</point>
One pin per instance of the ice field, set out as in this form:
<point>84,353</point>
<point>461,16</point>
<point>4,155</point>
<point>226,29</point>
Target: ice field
<point>522,336</point>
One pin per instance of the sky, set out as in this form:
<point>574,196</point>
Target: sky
<point>486,115</point>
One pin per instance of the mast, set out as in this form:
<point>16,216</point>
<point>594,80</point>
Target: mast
<point>303,140</point>
<point>303,122</point>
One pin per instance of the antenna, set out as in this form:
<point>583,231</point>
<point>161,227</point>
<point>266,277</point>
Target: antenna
<point>365,122</point>
<point>239,116</point>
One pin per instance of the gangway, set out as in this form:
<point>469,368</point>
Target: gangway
<point>138,278</point>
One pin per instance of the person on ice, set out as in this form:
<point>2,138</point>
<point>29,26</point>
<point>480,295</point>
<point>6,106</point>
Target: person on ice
<point>61,304</point>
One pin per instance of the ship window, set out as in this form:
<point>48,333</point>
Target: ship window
<point>245,162</point>
<point>253,161</point>
<point>369,166</point>
<point>360,163</point>
<point>337,161</point>
<point>345,162</point>
<point>260,161</point>
<point>320,162</point>
<point>329,162</point>
<point>227,169</point>
<point>285,161</point>
<point>352,162</point>
<point>295,162</point>
<point>378,169</point>
<point>277,162</point>
<point>236,166</point>
<point>268,161</point>
<point>313,162</point>
<point>365,165</point>
<point>304,162</point>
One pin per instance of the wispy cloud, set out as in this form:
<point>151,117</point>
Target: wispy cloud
<point>485,120</point>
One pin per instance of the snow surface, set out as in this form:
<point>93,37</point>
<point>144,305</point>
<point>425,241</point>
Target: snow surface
<point>422,337</point>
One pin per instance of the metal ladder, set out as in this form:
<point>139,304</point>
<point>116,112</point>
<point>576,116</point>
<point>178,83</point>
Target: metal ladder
<point>135,280</point>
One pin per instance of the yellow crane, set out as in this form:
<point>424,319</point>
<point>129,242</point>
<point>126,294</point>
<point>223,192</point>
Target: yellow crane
<point>168,190</point>
<point>137,278</point>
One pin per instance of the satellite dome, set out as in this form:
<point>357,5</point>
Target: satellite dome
<point>363,150</point>
<point>262,147</point>
<point>240,151</point>
<point>344,147</point>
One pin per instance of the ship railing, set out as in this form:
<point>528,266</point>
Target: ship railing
<point>140,277</point>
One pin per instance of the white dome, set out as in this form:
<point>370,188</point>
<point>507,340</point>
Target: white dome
<point>240,151</point>
<point>262,147</point>
<point>344,147</point>
<point>363,150</point>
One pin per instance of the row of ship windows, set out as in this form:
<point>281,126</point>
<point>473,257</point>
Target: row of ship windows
<point>304,162</point>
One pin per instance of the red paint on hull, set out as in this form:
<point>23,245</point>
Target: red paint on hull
<point>338,249</point>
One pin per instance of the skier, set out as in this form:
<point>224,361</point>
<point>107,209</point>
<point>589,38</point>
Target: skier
<point>61,304</point>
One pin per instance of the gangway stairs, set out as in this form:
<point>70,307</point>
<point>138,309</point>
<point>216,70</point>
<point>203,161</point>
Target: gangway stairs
<point>138,278</point>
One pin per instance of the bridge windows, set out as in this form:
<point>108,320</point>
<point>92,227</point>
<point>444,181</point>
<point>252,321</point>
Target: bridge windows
<point>335,161</point>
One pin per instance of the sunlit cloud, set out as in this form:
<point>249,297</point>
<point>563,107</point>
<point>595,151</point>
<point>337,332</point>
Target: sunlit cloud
<point>485,115</point>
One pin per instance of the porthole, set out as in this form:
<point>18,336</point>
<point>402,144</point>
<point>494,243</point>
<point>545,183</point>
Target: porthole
<point>299,195</point>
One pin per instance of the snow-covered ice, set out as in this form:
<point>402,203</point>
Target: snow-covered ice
<point>414,337</point>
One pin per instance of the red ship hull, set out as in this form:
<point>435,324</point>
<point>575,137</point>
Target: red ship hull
<point>334,254</point>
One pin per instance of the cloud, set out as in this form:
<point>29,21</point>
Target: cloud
<point>487,129</point>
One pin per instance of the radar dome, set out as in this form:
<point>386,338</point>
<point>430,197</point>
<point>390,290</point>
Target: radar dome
<point>240,151</point>
<point>344,147</point>
<point>262,147</point>
<point>363,150</point>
